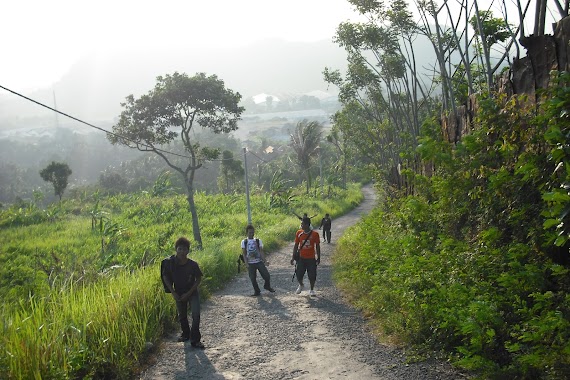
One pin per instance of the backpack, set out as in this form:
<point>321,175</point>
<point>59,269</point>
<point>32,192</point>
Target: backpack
<point>166,268</point>
<point>240,257</point>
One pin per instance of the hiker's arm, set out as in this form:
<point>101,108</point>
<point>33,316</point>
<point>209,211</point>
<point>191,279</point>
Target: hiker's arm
<point>294,251</point>
<point>189,293</point>
<point>318,246</point>
<point>243,253</point>
<point>168,284</point>
<point>262,254</point>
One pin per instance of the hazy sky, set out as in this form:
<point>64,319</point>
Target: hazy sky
<point>41,39</point>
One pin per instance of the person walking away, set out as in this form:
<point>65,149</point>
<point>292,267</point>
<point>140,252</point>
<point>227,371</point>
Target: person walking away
<point>182,277</point>
<point>307,254</point>
<point>326,224</point>
<point>253,256</point>
<point>301,219</point>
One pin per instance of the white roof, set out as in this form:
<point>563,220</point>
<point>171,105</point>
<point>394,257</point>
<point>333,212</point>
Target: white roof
<point>261,98</point>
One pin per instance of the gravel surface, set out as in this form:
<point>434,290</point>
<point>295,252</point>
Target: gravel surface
<point>283,335</point>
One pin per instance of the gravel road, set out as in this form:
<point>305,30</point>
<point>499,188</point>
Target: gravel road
<point>283,335</point>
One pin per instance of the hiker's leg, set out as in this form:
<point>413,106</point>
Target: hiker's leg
<point>329,236</point>
<point>252,271</point>
<point>182,308</point>
<point>195,335</point>
<point>300,270</point>
<point>265,275</point>
<point>312,271</point>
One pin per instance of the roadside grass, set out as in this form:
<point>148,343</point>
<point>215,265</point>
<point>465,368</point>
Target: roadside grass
<point>83,302</point>
<point>484,307</point>
<point>90,332</point>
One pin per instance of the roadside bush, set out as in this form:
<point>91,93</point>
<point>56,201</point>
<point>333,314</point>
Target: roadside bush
<point>475,264</point>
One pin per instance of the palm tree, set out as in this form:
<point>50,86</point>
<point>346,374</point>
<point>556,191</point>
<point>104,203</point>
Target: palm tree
<point>305,142</point>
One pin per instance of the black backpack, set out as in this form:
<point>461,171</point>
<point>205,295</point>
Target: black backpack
<point>166,269</point>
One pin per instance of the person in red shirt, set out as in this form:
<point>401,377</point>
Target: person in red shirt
<point>307,254</point>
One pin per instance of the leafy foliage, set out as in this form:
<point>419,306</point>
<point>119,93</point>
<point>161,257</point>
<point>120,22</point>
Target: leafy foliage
<point>305,142</point>
<point>231,173</point>
<point>57,173</point>
<point>557,190</point>
<point>475,264</point>
<point>171,110</point>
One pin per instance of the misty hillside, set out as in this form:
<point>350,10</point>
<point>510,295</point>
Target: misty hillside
<point>95,86</point>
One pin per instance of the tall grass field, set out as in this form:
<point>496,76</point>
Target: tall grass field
<point>80,280</point>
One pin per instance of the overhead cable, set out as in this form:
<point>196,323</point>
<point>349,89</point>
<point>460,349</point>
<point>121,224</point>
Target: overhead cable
<point>102,129</point>
<point>89,124</point>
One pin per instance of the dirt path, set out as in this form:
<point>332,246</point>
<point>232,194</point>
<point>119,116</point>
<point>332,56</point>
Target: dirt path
<point>283,335</point>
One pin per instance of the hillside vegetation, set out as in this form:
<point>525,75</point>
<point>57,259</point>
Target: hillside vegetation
<point>474,265</point>
<point>80,279</point>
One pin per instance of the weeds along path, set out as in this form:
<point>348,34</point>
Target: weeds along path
<point>283,335</point>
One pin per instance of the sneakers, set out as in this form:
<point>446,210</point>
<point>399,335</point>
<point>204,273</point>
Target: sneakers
<point>269,289</point>
<point>255,294</point>
<point>183,338</point>
<point>299,289</point>
<point>312,293</point>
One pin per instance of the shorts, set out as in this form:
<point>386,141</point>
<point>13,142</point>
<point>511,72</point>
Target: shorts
<point>308,265</point>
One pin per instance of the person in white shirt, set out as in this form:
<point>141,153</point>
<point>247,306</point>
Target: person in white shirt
<point>254,258</point>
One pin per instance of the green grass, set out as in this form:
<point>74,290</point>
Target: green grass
<point>98,328</point>
<point>500,311</point>
<point>76,309</point>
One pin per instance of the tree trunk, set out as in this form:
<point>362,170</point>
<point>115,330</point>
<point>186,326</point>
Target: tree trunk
<point>344,173</point>
<point>195,223</point>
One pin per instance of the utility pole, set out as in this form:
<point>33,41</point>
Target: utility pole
<point>321,168</point>
<point>246,186</point>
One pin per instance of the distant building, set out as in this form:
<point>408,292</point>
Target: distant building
<point>262,98</point>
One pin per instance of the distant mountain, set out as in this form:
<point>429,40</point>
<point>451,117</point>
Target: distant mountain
<point>94,87</point>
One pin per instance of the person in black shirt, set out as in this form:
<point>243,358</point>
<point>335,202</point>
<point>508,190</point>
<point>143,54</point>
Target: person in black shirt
<point>326,223</point>
<point>182,277</point>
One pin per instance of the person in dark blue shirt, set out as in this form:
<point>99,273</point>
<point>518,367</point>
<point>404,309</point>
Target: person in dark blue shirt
<point>326,224</point>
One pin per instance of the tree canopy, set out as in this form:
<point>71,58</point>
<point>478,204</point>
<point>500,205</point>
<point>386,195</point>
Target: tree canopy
<point>305,141</point>
<point>57,173</point>
<point>168,113</point>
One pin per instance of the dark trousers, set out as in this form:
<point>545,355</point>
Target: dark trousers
<point>252,271</point>
<point>327,235</point>
<point>182,307</point>
<point>309,266</point>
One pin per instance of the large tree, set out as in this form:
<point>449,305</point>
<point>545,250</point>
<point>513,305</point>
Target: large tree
<point>57,173</point>
<point>169,113</point>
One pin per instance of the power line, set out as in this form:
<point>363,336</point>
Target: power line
<point>108,132</point>
<point>91,125</point>
<point>255,155</point>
